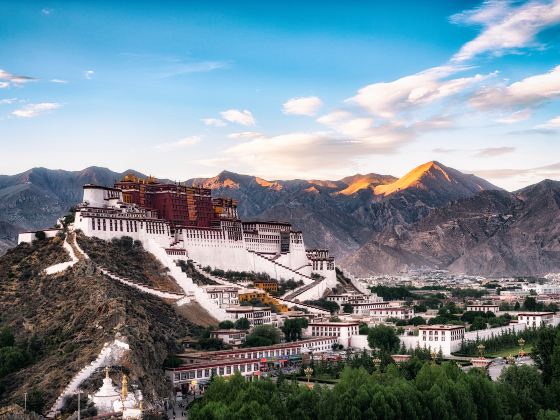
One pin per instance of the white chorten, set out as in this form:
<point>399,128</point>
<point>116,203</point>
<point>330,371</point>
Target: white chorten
<point>106,396</point>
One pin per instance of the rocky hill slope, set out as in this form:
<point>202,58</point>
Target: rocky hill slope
<point>491,233</point>
<point>61,323</point>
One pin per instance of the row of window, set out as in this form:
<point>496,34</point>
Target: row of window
<point>114,225</point>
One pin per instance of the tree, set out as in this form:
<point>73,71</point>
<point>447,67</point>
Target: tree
<point>530,304</point>
<point>263,335</point>
<point>417,320</point>
<point>348,308</point>
<point>542,352</point>
<point>479,323</point>
<point>242,324</point>
<point>384,338</point>
<point>6,337</point>
<point>364,329</point>
<point>226,325</point>
<point>292,328</point>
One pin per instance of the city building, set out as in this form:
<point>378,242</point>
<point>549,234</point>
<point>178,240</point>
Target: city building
<point>270,285</point>
<point>382,314</point>
<point>230,337</point>
<point>536,319</point>
<point>483,308</point>
<point>199,367</point>
<point>255,315</point>
<point>445,337</point>
<point>343,330</point>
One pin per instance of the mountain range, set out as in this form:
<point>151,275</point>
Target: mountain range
<point>434,216</point>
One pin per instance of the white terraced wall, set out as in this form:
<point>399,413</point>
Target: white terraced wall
<point>145,289</point>
<point>110,354</point>
<point>60,267</point>
<point>310,309</point>
<point>186,283</point>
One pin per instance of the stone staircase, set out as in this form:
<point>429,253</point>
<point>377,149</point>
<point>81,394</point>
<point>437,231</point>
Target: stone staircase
<point>109,354</point>
<point>297,274</point>
<point>295,293</point>
<point>142,287</point>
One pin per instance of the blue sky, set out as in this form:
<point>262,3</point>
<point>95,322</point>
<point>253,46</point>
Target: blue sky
<point>282,89</point>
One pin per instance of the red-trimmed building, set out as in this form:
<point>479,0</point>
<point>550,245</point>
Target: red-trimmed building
<point>179,204</point>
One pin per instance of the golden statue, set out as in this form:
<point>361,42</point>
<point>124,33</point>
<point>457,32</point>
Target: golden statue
<point>124,387</point>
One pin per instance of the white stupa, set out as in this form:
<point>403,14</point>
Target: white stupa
<point>106,396</point>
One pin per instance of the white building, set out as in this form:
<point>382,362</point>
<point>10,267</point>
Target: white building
<point>223,296</point>
<point>255,315</point>
<point>366,308</point>
<point>445,337</point>
<point>542,289</point>
<point>382,314</point>
<point>536,319</point>
<point>231,337</point>
<point>342,330</point>
<point>483,308</point>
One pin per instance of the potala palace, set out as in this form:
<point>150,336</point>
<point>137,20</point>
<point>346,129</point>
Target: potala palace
<point>187,221</point>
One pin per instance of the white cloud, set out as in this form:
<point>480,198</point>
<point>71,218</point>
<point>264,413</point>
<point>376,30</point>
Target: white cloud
<point>334,117</point>
<point>8,101</point>
<point>515,117</point>
<point>33,110</point>
<point>59,81</point>
<point>47,11</point>
<point>506,27</point>
<point>530,174</point>
<point>308,105</point>
<point>494,151</point>
<point>177,68</point>
<point>214,122</point>
<point>386,99</point>
<point>179,144</point>
<point>246,135</point>
<point>88,74</point>
<point>239,117</point>
<point>8,79</point>
<point>532,90</point>
<point>552,124</point>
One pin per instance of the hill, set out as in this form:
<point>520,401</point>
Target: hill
<point>62,322</point>
<point>491,233</point>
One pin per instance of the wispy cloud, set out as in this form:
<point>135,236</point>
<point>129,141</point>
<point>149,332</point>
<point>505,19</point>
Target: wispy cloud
<point>59,81</point>
<point>494,151</point>
<point>181,68</point>
<point>8,79</point>
<point>244,135</point>
<point>530,91</point>
<point>552,124</point>
<point>308,105</point>
<point>179,144</point>
<point>244,117</point>
<point>34,110</point>
<point>88,74</point>
<point>387,99</point>
<point>506,27</point>
<point>46,11</point>
<point>8,101</point>
<point>487,152</point>
<point>214,122</point>
<point>536,173</point>
<point>515,117</point>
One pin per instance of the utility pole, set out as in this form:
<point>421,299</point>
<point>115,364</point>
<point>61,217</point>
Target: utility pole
<point>79,395</point>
